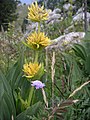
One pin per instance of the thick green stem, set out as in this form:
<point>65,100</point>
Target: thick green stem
<point>30,96</point>
<point>36,56</point>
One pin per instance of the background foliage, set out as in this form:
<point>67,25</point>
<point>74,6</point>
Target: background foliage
<point>7,12</point>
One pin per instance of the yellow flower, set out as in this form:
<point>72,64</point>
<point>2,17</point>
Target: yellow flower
<point>38,40</point>
<point>37,13</point>
<point>31,69</point>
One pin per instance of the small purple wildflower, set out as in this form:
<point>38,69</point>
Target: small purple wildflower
<point>37,84</point>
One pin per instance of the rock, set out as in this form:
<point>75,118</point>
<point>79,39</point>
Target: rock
<point>53,21</point>
<point>54,16</point>
<point>51,13</point>
<point>65,41</point>
<point>79,11</point>
<point>57,11</point>
<point>67,6</point>
<point>79,16</point>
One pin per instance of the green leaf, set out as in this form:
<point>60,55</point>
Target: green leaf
<point>1,90</point>
<point>87,64</point>
<point>72,68</point>
<point>7,107</point>
<point>30,112</point>
<point>80,51</point>
<point>14,75</point>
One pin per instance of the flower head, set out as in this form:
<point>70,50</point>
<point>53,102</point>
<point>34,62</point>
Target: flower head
<point>31,69</point>
<point>37,84</point>
<point>38,40</point>
<point>37,13</point>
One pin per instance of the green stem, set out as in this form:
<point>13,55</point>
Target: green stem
<point>30,96</point>
<point>36,56</point>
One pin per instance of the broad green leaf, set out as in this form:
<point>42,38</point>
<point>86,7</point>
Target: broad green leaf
<point>7,107</point>
<point>80,51</point>
<point>31,111</point>
<point>14,75</point>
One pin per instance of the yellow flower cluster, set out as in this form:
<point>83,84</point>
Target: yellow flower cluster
<point>31,69</point>
<point>38,40</point>
<point>37,13</point>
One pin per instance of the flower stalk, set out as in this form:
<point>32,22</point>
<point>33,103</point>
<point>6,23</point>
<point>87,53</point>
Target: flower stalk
<point>36,56</point>
<point>52,76</point>
<point>44,97</point>
<point>30,95</point>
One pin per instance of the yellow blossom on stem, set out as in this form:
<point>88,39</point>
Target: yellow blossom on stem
<point>31,69</point>
<point>37,13</point>
<point>38,40</point>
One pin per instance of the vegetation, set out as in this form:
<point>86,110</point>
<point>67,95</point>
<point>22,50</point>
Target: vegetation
<point>37,83</point>
<point>7,12</point>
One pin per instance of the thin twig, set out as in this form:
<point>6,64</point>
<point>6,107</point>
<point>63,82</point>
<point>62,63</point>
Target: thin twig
<point>79,88</point>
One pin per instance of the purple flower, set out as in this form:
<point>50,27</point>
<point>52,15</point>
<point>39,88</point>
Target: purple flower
<point>37,84</point>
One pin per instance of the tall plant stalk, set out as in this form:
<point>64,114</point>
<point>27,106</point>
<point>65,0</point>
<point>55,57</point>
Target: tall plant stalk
<point>46,64</point>
<point>52,76</point>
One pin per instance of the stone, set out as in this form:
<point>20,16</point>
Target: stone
<point>79,16</point>
<point>65,41</point>
<point>53,18</point>
<point>67,6</point>
<point>57,11</point>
